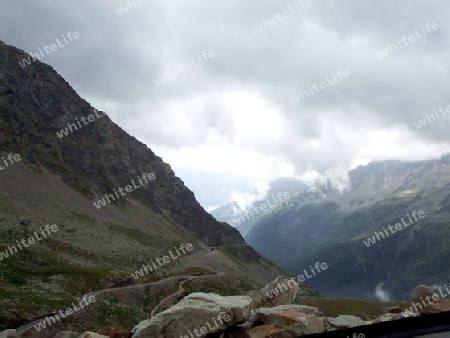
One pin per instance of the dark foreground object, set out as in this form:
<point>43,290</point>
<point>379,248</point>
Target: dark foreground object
<point>402,328</point>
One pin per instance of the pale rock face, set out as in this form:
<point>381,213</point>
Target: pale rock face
<point>198,312</point>
<point>265,331</point>
<point>345,321</point>
<point>279,291</point>
<point>421,291</point>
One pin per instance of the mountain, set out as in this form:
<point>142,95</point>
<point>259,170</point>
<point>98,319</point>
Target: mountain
<point>320,223</point>
<point>84,206</point>
<point>243,218</point>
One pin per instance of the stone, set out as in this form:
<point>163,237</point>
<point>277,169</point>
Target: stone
<point>292,319</point>
<point>66,334</point>
<point>395,309</point>
<point>440,306</point>
<point>7,334</point>
<point>266,331</point>
<point>345,321</point>
<point>371,322</point>
<point>88,334</point>
<point>113,332</point>
<point>279,292</point>
<point>310,310</point>
<point>198,312</point>
<point>251,321</point>
<point>420,293</point>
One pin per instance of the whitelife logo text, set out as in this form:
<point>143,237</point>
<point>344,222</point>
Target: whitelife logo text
<point>317,88</point>
<point>266,24</point>
<point>184,248</point>
<point>398,226</point>
<point>280,288</point>
<point>49,49</point>
<point>13,249</point>
<point>71,127</point>
<point>110,198</point>
<point>405,41</point>
<point>242,216</point>
<point>11,159</point>
<point>432,118</point>
<point>222,318</point>
<point>64,313</point>
<point>169,75</point>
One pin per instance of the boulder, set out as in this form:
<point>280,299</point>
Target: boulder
<point>7,334</point>
<point>293,319</point>
<point>310,310</point>
<point>66,334</point>
<point>395,309</point>
<point>252,321</point>
<point>88,334</point>
<point>441,306</point>
<point>197,314</point>
<point>280,291</point>
<point>344,321</point>
<point>266,331</point>
<point>420,293</point>
<point>388,317</point>
<point>113,332</point>
<point>373,321</point>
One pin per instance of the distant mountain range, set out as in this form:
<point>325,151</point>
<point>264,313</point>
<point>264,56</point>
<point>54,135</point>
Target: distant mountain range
<point>331,222</point>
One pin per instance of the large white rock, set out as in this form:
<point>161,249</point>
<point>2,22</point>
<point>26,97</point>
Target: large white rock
<point>345,321</point>
<point>198,313</point>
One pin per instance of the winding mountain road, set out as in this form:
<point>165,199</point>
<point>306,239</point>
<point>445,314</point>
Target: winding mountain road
<point>94,293</point>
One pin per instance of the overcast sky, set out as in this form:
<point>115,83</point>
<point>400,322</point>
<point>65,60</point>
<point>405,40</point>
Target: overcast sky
<point>226,126</point>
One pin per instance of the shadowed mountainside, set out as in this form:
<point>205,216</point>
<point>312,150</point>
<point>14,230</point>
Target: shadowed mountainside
<point>57,181</point>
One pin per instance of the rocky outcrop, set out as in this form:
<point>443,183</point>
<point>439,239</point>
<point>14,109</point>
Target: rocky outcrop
<point>296,320</point>
<point>395,309</point>
<point>440,306</point>
<point>66,334</point>
<point>212,315</point>
<point>420,293</point>
<point>264,331</point>
<point>198,313</point>
<point>345,321</point>
<point>62,334</point>
<point>98,156</point>
<point>113,332</point>
<point>88,334</point>
<point>280,291</point>
<point>7,334</point>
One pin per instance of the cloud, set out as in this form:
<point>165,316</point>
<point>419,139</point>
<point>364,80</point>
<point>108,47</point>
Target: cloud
<point>234,108</point>
<point>381,293</point>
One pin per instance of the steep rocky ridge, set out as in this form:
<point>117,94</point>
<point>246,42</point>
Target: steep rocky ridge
<point>56,182</point>
<point>36,103</point>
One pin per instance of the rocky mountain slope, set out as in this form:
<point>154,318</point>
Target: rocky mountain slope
<point>58,180</point>
<point>321,224</point>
